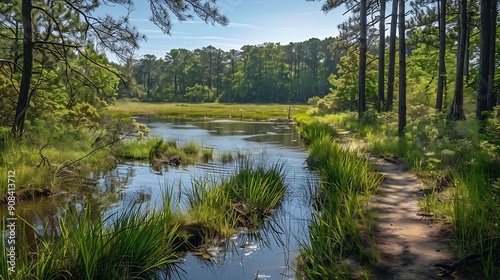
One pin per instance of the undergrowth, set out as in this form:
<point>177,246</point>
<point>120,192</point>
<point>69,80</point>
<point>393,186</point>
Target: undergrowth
<point>458,164</point>
<point>340,227</point>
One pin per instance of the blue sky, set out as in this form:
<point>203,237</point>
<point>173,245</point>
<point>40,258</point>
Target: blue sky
<point>252,22</point>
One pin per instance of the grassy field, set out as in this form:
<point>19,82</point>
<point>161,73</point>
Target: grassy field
<point>210,110</point>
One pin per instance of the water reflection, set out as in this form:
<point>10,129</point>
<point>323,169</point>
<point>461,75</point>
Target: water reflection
<point>262,254</point>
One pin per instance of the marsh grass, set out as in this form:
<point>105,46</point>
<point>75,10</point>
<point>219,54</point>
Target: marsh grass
<point>242,199</point>
<point>39,160</point>
<point>313,129</point>
<point>135,243</point>
<point>209,110</point>
<point>226,157</point>
<point>157,149</point>
<point>340,227</point>
<point>262,188</point>
<point>457,164</point>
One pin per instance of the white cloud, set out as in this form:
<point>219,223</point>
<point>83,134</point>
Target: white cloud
<point>246,25</point>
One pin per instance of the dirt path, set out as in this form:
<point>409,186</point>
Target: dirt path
<point>409,244</point>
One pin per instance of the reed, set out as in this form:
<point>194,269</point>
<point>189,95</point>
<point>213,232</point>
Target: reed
<point>226,157</point>
<point>135,243</point>
<point>340,226</point>
<point>243,198</point>
<point>315,130</point>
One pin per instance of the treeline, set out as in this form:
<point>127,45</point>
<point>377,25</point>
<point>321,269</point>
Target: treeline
<point>444,55</point>
<point>264,73</point>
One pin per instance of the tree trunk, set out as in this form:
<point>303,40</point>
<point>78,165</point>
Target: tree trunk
<point>24,91</point>
<point>381,56</point>
<point>467,52</point>
<point>402,71</point>
<point>456,110</point>
<point>392,57</point>
<point>362,60</point>
<point>491,74</point>
<point>442,54</point>
<point>484,60</point>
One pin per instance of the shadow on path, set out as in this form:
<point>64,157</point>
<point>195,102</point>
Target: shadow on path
<point>409,244</point>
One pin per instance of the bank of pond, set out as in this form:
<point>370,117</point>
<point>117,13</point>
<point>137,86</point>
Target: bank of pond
<point>248,195</point>
<point>189,200</point>
<point>212,199</point>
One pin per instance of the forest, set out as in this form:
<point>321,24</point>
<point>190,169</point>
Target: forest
<point>415,80</point>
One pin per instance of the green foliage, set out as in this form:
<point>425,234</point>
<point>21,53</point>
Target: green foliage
<point>345,83</point>
<point>242,199</point>
<point>83,114</point>
<point>198,94</point>
<point>422,74</point>
<point>340,226</point>
<point>266,73</point>
<point>313,100</point>
<point>8,95</point>
<point>316,130</point>
<point>135,242</point>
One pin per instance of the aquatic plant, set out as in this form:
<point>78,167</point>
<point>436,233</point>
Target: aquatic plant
<point>134,243</point>
<point>244,198</point>
<point>340,226</point>
<point>315,129</point>
<point>226,157</point>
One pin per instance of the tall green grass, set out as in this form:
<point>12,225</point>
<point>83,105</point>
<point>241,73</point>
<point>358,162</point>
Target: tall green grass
<point>340,226</point>
<point>310,129</point>
<point>156,148</point>
<point>241,199</point>
<point>41,158</point>
<point>475,218</point>
<point>458,166</point>
<point>134,243</point>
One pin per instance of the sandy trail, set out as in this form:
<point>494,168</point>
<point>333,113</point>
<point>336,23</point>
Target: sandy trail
<point>409,244</point>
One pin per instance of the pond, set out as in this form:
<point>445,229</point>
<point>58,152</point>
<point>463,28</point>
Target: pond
<point>266,254</point>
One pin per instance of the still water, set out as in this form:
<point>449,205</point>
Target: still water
<point>266,254</point>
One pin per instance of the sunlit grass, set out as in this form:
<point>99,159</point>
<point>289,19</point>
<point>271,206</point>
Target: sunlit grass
<point>210,110</point>
<point>315,130</point>
<point>242,199</point>
<point>457,163</point>
<point>39,164</point>
<point>340,226</point>
<point>135,243</point>
<point>157,149</point>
